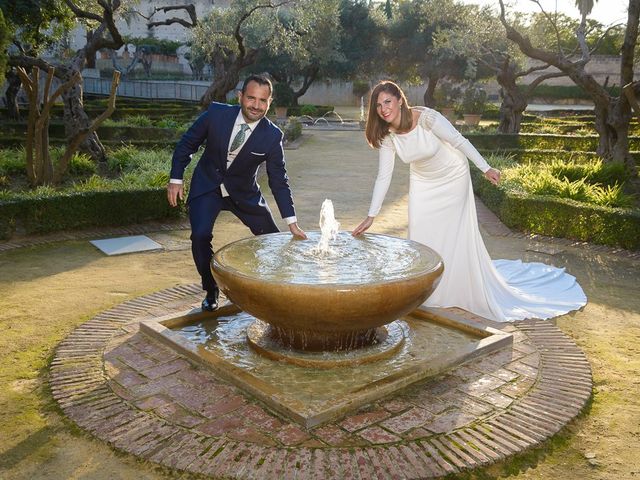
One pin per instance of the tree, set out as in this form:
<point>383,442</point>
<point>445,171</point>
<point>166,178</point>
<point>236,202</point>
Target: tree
<point>361,40</point>
<point>232,39</point>
<point>40,168</point>
<point>101,19</point>
<point>413,32</point>
<point>32,26</point>
<point>312,52</point>
<point>490,47</point>
<point>612,113</point>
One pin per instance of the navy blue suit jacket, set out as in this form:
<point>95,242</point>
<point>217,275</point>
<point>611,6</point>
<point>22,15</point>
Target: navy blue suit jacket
<point>264,145</point>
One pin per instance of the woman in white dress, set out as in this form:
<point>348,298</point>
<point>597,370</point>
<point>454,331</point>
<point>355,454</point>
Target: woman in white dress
<point>442,215</point>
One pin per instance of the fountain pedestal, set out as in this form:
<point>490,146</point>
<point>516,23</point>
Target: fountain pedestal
<point>344,329</point>
<point>336,302</point>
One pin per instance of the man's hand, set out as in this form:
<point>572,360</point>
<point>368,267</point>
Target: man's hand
<point>175,191</point>
<point>363,227</point>
<point>493,175</point>
<point>297,231</point>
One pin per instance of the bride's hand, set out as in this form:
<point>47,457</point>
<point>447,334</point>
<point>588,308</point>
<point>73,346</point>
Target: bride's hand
<point>493,175</point>
<point>364,226</point>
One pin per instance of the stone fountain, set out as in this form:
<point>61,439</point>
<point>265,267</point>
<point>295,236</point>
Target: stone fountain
<point>317,330</point>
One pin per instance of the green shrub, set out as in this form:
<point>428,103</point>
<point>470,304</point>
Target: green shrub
<point>594,182</point>
<point>110,122</point>
<point>595,171</point>
<point>611,196</point>
<point>545,156</point>
<point>169,122</point>
<point>531,141</point>
<point>121,157</point>
<point>293,129</point>
<point>13,161</point>
<point>138,194</point>
<point>474,99</point>
<point>566,91</point>
<point>310,110</point>
<point>44,210</point>
<point>138,121</point>
<point>557,217</point>
<point>82,164</point>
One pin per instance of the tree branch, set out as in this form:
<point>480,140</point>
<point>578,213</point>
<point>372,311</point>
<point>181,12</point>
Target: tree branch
<point>239,38</point>
<point>532,86</point>
<point>171,21</point>
<point>524,73</point>
<point>78,12</point>
<point>629,91</point>
<point>554,24</point>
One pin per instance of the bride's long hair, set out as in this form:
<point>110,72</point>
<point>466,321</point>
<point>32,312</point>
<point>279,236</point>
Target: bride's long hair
<point>377,128</point>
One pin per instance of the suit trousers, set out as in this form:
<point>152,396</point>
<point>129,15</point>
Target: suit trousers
<point>203,212</point>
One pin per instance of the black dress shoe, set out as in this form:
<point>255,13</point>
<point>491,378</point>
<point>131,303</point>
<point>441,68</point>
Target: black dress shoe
<point>210,303</point>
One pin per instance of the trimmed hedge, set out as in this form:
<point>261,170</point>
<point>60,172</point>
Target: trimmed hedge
<point>16,142</point>
<point>531,141</point>
<point>84,209</point>
<point>296,110</point>
<point>522,156</point>
<point>56,131</point>
<point>558,217</point>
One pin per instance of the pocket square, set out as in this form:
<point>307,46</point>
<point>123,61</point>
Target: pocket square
<point>258,153</point>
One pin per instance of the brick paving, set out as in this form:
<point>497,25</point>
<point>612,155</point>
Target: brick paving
<point>143,398</point>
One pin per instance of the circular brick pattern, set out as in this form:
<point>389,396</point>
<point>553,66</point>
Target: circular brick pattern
<point>145,399</point>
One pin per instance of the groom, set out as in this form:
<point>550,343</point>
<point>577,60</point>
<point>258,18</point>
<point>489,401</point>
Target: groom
<point>238,139</point>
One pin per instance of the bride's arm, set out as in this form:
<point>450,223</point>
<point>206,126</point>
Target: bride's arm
<point>386,160</point>
<point>441,127</point>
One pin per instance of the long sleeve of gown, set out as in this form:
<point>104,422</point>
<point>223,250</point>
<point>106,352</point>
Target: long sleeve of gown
<point>386,160</point>
<point>443,129</point>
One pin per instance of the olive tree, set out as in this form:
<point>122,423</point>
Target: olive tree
<point>612,113</point>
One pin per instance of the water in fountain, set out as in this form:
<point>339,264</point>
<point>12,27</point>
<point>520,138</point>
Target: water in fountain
<point>354,261</point>
<point>321,119</point>
<point>350,307</point>
<point>329,230</point>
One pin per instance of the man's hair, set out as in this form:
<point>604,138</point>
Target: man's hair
<point>260,80</point>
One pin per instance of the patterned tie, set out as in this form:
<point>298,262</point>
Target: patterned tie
<point>239,138</point>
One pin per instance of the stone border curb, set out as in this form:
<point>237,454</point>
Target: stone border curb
<point>79,383</point>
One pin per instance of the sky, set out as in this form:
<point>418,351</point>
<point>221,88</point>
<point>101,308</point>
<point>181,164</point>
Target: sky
<point>604,11</point>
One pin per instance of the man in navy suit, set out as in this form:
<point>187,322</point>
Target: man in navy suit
<point>238,139</point>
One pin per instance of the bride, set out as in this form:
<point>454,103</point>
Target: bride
<point>442,215</point>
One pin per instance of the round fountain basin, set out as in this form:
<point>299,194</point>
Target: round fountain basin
<point>333,301</point>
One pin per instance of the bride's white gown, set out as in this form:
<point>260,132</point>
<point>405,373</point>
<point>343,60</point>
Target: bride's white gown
<point>442,215</point>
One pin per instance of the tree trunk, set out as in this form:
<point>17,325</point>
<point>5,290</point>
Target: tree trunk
<point>217,91</point>
<point>75,119</point>
<point>428,97</point>
<point>91,53</point>
<point>226,76</point>
<point>514,102</point>
<point>11,95</point>
<point>308,80</point>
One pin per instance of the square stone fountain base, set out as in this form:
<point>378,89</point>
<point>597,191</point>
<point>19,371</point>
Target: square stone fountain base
<point>435,341</point>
